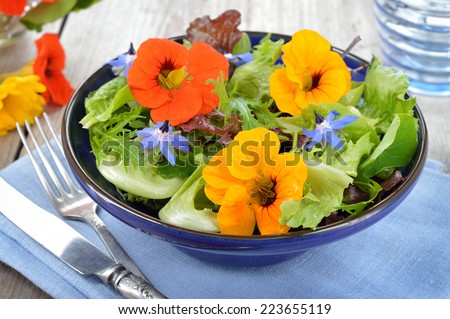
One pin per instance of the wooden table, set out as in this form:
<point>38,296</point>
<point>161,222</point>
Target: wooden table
<point>96,35</point>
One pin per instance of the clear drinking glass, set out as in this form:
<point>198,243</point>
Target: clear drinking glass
<point>415,37</point>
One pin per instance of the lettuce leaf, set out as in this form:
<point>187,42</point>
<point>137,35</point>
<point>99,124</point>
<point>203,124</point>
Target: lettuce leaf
<point>323,195</point>
<point>98,105</point>
<point>120,160</point>
<point>396,148</point>
<point>251,80</point>
<point>253,113</point>
<point>349,159</point>
<point>181,210</point>
<point>384,94</point>
<point>353,97</point>
<point>353,131</point>
<point>367,185</point>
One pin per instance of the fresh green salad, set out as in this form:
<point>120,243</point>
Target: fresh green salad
<point>219,134</point>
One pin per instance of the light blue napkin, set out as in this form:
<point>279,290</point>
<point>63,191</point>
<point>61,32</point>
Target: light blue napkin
<point>406,255</point>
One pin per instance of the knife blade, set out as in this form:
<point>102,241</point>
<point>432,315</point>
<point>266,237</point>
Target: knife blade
<point>70,246</point>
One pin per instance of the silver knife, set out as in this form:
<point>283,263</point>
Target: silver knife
<point>70,246</point>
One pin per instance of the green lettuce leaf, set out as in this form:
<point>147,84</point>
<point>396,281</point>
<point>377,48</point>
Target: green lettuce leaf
<point>384,94</point>
<point>251,80</point>
<point>367,185</point>
<point>353,132</point>
<point>100,105</point>
<point>253,113</point>
<point>396,148</point>
<point>349,159</point>
<point>323,196</point>
<point>181,210</point>
<point>353,97</point>
<point>120,160</point>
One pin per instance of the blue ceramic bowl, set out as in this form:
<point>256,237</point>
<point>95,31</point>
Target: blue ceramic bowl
<point>217,248</point>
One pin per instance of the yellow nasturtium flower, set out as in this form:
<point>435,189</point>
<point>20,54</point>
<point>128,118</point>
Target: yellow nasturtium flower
<point>312,74</point>
<point>20,100</point>
<point>249,179</point>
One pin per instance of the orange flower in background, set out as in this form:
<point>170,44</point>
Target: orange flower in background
<point>16,7</point>
<point>171,79</point>
<point>12,7</point>
<point>49,65</point>
<point>313,74</point>
<point>250,180</point>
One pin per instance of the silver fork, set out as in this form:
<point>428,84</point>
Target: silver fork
<point>69,199</point>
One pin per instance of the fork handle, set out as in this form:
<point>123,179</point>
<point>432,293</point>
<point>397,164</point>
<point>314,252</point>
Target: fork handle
<point>113,246</point>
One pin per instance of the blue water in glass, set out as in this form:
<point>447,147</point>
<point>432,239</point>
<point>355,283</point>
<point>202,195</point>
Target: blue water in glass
<point>415,37</point>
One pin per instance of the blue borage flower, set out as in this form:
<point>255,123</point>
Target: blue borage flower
<point>326,128</point>
<point>239,59</point>
<point>161,136</point>
<point>123,62</point>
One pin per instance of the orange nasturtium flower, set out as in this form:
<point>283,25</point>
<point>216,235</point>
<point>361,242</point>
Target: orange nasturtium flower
<point>20,100</point>
<point>172,79</point>
<point>249,179</point>
<point>48,65</point>
<point>12,7</point>
<point>313,74</point>
<point>16,7</point>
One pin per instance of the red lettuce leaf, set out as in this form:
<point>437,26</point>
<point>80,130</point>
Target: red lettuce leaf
<point>221,33</point>
<point>202,123</point>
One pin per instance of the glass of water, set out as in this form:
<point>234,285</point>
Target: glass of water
<point>415,37</point>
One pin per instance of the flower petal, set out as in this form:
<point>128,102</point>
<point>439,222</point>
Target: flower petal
<point>150,142</point>
<point>284,92</point>
<point>267,220</point>
<point>251,151</point>
<point>154,56</point>
<point>343,122</point>
<point>12,7</point>
<point>235,216</point>
<point>205,64</point>
<point>165,150</point>
<point>181,107</point>
<point>180,142</point>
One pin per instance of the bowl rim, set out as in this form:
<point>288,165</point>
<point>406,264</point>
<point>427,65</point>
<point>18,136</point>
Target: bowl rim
<point>414,173</point>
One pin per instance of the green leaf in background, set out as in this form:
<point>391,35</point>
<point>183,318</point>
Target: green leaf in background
<point>396,148</point>
<point>244,44</point>
<point>384,94</point>
<point>324,196</point>
<point>46,12</point>
<point>84,4</point>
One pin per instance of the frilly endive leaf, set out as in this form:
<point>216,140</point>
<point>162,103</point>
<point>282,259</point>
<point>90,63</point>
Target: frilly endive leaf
<point>221,33</point>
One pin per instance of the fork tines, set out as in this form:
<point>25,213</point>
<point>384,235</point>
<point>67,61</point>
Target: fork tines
<point>58,189</point>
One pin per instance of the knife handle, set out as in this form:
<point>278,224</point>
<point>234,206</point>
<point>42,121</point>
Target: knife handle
<point>132,286</point>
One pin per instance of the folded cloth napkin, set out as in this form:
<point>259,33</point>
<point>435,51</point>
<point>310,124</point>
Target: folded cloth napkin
<point>405,255</point>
